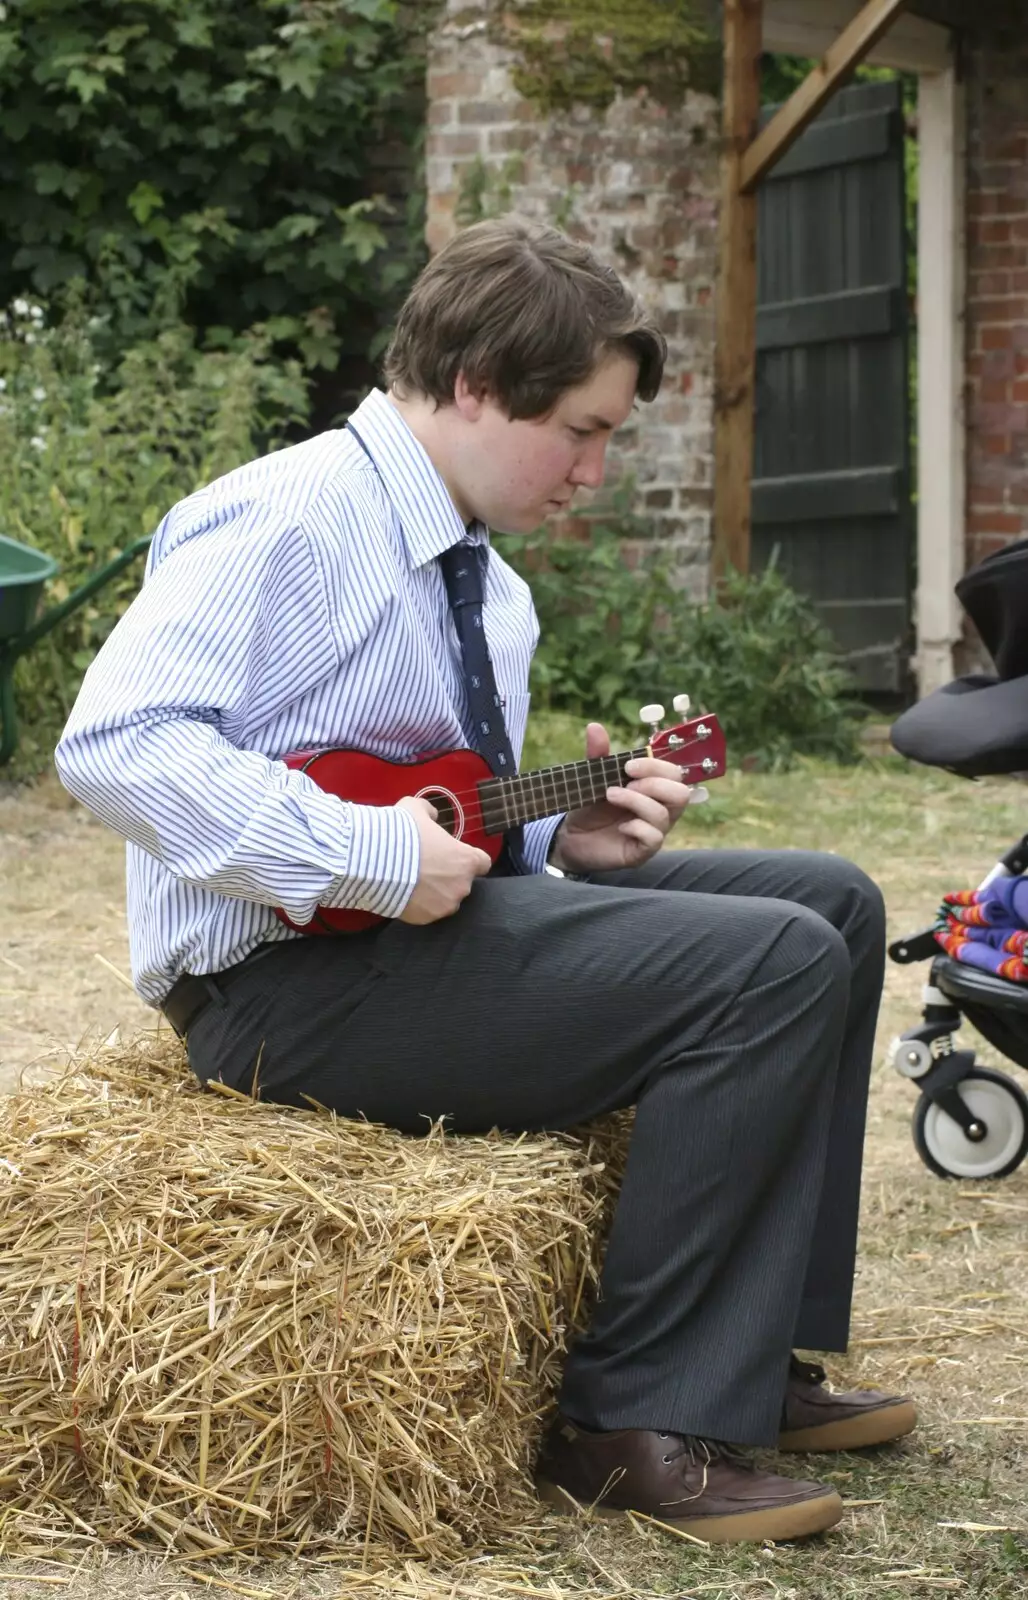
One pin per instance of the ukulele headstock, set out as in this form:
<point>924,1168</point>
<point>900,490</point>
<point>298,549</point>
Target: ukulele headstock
<point>697,744</point>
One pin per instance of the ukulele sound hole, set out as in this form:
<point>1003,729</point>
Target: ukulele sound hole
<point>450,812</point>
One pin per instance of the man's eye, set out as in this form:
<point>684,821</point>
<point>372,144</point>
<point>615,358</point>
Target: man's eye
<point>582,433</point>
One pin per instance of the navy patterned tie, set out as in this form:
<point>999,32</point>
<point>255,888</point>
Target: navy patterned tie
<point>463,567</point>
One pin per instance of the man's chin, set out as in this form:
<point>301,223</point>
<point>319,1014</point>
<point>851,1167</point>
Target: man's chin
<point>517,526</point>
<point>525,522</point>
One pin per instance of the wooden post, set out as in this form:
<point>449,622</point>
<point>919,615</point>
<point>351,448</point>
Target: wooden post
<point>736,304</point>
<point>941,439</point>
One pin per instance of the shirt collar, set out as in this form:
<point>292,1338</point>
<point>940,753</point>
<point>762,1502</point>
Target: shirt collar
<point>429,520</point>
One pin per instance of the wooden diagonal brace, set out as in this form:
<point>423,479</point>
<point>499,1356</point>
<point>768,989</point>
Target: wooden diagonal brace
<point>785,127</point>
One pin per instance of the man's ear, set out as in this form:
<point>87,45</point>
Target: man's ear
<point>469,404</point>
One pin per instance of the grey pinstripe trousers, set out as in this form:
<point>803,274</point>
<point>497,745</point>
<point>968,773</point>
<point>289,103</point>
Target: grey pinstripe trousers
<point>731,996</point>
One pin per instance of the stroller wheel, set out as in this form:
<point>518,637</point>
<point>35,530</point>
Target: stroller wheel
<point>997,1102</point>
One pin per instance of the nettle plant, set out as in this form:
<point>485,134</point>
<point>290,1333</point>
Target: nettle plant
<point>93,456</point>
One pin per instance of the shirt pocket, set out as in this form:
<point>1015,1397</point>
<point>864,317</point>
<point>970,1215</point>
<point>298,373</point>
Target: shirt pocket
<point>515,718</point>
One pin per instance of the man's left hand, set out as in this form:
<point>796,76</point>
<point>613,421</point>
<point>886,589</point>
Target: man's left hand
<point>631,824</point>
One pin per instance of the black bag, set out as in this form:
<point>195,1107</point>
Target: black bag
<point>978,725</point>
<point>995,596</point>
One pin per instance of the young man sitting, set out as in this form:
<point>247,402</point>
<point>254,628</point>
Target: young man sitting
<point>326,596</point>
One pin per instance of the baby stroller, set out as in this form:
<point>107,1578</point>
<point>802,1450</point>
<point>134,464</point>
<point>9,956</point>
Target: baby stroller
<point>971,1121</point>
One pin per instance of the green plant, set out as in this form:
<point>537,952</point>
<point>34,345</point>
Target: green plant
<point>187,158</point>
<point>93,459</point>
<point>758,655</point>
<point>600,621</point>
<point>587,52</point>
<point>614,636</point>
<point>487,191</point>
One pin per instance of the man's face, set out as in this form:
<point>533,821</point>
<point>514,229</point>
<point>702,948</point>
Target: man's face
<point>512,475</point>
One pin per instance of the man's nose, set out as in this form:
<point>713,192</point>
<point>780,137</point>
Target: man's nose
<point>590,468</point>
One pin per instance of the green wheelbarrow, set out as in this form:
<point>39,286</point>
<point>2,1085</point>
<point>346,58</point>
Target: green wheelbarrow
<point>23,574</point>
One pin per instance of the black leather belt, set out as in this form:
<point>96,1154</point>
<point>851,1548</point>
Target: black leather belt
<point>194,992</point>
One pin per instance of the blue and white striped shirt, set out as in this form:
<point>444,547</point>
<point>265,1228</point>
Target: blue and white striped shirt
<point>295,603</point>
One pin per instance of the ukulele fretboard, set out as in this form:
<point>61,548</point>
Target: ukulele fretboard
<point>506,802</point>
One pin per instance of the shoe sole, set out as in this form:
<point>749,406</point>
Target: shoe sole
<point>799,1520</point>
<point>855,1433</point>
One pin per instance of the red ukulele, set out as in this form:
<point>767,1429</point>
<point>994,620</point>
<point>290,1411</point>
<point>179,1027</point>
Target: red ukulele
<point>476,806</point>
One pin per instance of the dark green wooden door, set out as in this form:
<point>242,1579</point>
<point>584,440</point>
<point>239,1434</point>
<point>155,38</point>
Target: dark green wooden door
<point>831,486</point>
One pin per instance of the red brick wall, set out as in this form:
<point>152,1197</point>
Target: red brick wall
<point>997,296</point>
<point>638,182</point>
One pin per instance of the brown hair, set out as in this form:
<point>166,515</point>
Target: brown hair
<point>525,313</point>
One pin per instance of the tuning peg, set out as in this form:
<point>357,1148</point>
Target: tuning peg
<point>653,715</point>
<point>681,703</point>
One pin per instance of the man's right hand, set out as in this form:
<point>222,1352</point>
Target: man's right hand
<point>448,867</point>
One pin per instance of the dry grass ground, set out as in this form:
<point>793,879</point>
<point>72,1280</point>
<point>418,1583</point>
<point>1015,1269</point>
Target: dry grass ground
<point>63,938</point>
<point>942,1296</point>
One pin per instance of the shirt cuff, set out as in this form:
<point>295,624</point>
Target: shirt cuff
<point>538,837</point>
<point>383,862</point>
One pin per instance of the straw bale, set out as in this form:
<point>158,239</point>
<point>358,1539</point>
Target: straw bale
<point>238,1328</point>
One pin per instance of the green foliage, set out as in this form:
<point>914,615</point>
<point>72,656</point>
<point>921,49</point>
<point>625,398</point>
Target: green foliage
<point>93,459</point>
<point>613,638</point>
<point>487,191</point>
<point>553,737</point>
<point>760,657</point>
<point>586,52</point>
<point>186,157</point>
<point>599,623</point>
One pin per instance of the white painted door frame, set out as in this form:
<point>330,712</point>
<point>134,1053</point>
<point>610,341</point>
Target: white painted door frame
<point>807,28</point>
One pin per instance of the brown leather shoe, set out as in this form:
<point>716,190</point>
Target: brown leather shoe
<point>695,1485</point>
<point>815,1418</point>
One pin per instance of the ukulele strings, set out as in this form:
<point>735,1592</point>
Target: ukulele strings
<point>542,775</point>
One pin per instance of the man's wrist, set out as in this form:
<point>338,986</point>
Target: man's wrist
<point>553,855</point>
<point>555,859</point>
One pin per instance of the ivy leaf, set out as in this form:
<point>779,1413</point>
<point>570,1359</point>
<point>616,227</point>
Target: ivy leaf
<point>87,85</point>
<point>144,201</point>
<point>362,236</point>
<point>50,177</point>
<point>298,226</point>
<point>237,91</point>
<point>300,72</point>
<point>283,327</point>
<point>320,348</point>
<point>114,42</point>
<point>9,47</point>
<point>194,29</point>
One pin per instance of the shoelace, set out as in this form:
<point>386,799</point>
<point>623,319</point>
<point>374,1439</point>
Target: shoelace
<point>702,1452</point>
